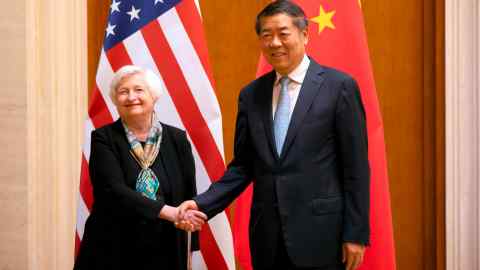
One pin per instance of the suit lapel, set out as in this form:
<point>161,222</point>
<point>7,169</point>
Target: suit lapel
<point>310,87</point>
<point>265,108</point>
<point>169,156</point>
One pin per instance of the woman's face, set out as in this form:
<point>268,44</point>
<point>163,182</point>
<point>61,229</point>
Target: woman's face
<point>133,98</point>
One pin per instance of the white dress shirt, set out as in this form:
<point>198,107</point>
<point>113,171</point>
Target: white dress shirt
<point>296,79</point>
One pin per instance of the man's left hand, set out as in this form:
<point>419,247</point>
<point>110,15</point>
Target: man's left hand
<point>352,255</point>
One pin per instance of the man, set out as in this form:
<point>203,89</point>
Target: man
<point>301,138</point>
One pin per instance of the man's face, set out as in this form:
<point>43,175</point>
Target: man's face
<point>282,43</point>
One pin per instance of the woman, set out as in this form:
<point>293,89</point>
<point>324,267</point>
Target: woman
<point>139,167</point>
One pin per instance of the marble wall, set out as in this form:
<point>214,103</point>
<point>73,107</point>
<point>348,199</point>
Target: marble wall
<point>462,58</point>
<point>42,107</point>
<point>13,138</point>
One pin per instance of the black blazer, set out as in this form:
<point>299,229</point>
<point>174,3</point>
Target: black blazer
<point>122,221</point>
<point>316,193</point>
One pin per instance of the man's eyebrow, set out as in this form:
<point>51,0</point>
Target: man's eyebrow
<point>270,29</point>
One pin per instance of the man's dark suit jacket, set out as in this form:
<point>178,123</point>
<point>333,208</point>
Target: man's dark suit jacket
<point>316,193</point>
<point>122,221</point>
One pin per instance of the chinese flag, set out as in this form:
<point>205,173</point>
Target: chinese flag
<point>337,39</point>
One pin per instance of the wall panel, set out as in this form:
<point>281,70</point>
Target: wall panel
<point>13,115</point>
<point>406,48</point>
<point>56,106</point>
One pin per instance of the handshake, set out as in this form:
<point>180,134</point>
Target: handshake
<point>185,217</point>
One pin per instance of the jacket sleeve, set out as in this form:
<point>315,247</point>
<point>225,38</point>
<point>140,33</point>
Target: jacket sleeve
<point>109,185</point>
<point>353,148</point>
<point>238,174</point>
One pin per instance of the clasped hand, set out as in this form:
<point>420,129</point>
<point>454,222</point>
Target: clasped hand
<point>189,218</point>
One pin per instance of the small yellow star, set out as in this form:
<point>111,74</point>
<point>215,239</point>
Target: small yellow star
<point>324,19</point>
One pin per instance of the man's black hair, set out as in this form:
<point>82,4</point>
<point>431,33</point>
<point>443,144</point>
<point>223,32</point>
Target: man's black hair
<point>286,7</point>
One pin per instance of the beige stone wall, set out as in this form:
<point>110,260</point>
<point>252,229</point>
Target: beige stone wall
<point>42,107</point>
<point>56,87</point>
<point>462,96</point>
<point>13,125</point>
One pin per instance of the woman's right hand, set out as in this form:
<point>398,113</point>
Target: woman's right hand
<point>169,213</point>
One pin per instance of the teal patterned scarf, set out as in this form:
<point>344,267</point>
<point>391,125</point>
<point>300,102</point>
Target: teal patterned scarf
<point>147,182</point>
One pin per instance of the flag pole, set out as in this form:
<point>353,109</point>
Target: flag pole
<point>189,250</point>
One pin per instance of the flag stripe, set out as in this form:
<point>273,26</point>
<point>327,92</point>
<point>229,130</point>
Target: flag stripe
<point>182,97</point>
<point>222,233</point>
<point>103,79</point>
<point>197,261</point>
<point>82,214</point>
<point>85,186</point>
<point>88,128</point>
<point>77,244</point>
<point>118,57</point>
<point>190,16</point>
<point>240,228</point>
<point>203,180</point>
<point>194,74</point>
<point>213,257</point>
<point>98,112</point>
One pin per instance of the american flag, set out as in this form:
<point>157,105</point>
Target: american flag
<point>167,37</point>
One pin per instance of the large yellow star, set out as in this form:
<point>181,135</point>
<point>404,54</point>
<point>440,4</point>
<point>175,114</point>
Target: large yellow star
<point>324,19</point>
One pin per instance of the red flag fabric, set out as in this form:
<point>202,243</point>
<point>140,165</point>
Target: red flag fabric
<point>166,37</point>
<point>337,39</point>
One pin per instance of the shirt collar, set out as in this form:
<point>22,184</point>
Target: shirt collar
<point>298,74</point>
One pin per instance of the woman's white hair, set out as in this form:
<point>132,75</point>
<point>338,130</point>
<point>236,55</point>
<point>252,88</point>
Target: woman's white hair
<point>154,84</point>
